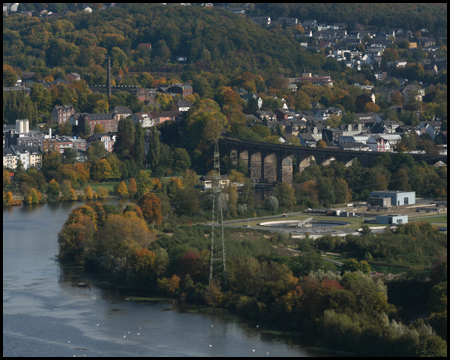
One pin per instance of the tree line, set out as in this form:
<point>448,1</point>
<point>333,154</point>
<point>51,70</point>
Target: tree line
<point>350,309</point>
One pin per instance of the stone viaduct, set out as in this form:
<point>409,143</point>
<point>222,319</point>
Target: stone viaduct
<point>276,163</point>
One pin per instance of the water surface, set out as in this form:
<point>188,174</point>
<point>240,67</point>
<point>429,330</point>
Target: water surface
<point>46,314</point>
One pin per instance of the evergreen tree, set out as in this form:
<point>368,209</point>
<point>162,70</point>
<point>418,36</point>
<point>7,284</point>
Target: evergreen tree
<point>139,145</point>
<point>124,145</point>
<point>154,148</point>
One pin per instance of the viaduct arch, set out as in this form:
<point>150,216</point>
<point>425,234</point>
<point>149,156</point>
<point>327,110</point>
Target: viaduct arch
<point>276,163</point>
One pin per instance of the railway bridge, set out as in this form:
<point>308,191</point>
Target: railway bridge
<point>276,163</point>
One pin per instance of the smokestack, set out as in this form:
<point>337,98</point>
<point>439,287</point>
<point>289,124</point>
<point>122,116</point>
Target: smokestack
<point>108,76</point>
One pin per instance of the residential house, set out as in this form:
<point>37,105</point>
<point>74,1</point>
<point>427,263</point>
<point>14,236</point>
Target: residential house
<point>145,119</point>
<point>58,143</point>
<point>324,114</point>
<point>146,46</point>
<point>163,116</point>
<point>354,146</point>
<point>306,139</point>
<point>9,158</point>
<point>61,114</point>
<point>283,114</point>
<point>237,10</point>
<point>180,89</point>
<point>262,20</point>
<point>316,80</point>
<point>288,21</point>
<point>441,138</point>
<point>309,24</point>
<point>386,127</point>
<point>28,155</point>
<point>107,140</point>
<point>331,135</point>
<point>183,105</point>
<point>426,41</point>
<point>73,77</point>
<point>79,144</point>
<point>266,115</point>
<point>405,129</point>
<point>252,96</point>
<point>75,118</point>
<point>390,140</point>
<point>408,91</point>
<point>122,112</point>
<point>380,76</point>
<point>431,128</point>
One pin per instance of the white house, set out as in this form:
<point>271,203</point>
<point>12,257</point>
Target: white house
<point>145,119</point>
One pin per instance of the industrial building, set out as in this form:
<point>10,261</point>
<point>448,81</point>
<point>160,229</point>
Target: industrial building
<point>397,197</point>
<point>392,219</point>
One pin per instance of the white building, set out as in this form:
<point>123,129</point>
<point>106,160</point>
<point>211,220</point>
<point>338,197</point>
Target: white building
<point>144,118</point>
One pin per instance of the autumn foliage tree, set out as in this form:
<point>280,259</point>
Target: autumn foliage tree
<point>122,189</point>
<point>132,187</point>
<point>88,192</point>
<point>151,208</point>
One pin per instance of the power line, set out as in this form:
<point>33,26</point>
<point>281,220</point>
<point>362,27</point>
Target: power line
<point>217,269</point>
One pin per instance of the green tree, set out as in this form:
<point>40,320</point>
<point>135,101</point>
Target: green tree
<point>162,50</point>
<point>9,75</point>
<point>181,160</point>
<point>101,170</point>
<point>154,149</point>
<point>271,204</point>
<point>285,194</point>
<point>139,152</point>
<point>124,146</point>
<point>355,265</point>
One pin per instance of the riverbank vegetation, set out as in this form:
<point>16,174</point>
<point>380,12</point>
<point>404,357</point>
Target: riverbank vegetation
<point>348,308</point>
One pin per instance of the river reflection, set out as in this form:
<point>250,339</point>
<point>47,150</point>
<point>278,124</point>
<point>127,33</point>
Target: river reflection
<point>45,313</point>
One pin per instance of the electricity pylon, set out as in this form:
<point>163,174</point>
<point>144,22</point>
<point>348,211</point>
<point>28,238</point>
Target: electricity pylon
<point>217,267</point>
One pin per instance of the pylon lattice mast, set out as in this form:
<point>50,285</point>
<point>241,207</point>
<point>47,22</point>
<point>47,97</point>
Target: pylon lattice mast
<point>217,269</point>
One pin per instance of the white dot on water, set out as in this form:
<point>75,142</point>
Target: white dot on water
<point>254,350</point>
<point>139,333</point>
<point>212,325</point>
<point>124,336</point>
<point>210,345</point>
<point>98,324</point>
<point>69,342</point>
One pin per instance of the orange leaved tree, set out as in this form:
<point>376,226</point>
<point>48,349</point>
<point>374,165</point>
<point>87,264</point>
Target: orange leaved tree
<point>151,208</point>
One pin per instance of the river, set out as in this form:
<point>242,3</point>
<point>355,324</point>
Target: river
<point>46,314</point>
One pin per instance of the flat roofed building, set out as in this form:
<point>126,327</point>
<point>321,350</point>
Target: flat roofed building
<point>392,219</point>
<point>206,182</point>
<point>398,198</point>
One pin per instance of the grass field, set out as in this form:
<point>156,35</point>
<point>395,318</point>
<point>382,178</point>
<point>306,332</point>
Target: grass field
<point>387,269</point>
<point>107,185</point>
<point>438,220</point>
